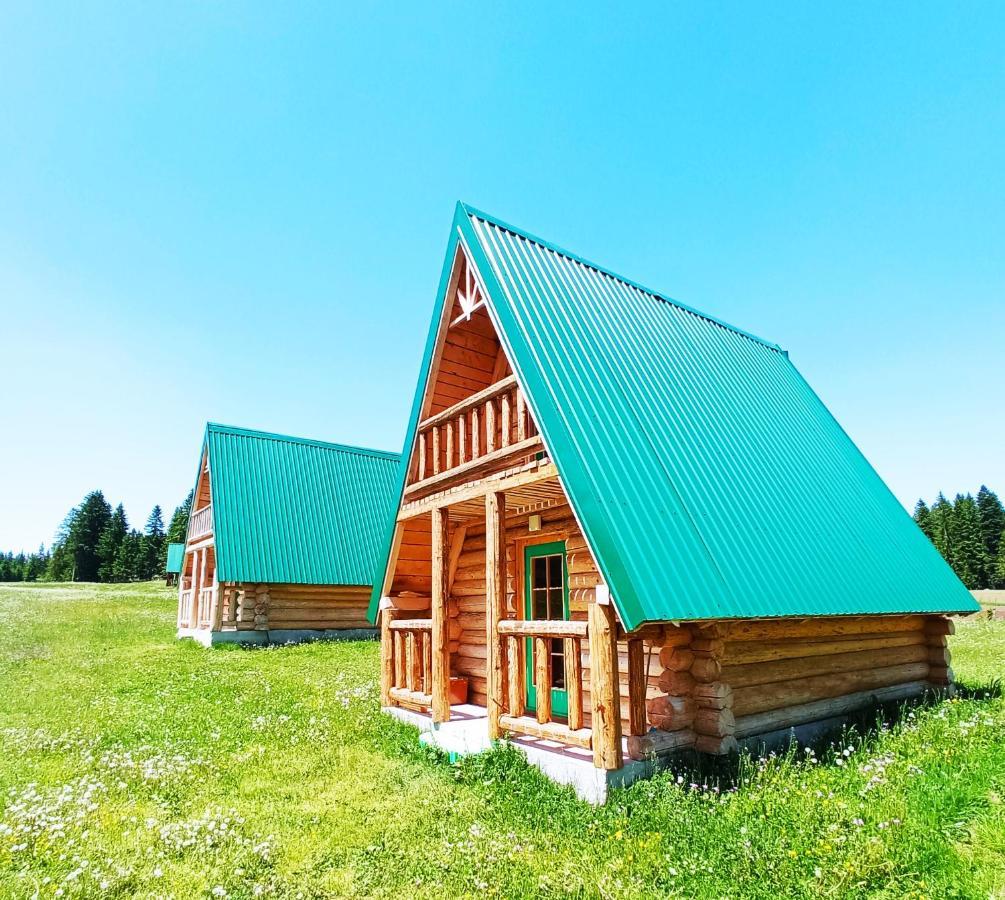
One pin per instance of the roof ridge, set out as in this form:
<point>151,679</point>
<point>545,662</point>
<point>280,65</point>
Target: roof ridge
<point>219,427</point>
<point>575,257</point>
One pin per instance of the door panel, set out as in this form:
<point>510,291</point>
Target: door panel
<point>546,596</point>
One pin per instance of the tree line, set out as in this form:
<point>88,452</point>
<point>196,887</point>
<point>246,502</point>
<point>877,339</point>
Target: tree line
<point>970,535</point>
<point>96,543</point>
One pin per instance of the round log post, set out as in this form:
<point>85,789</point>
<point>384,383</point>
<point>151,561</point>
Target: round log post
<point>604,689</point>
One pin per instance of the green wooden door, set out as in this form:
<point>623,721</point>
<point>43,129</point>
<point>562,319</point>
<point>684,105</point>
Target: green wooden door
<point>546,596</point>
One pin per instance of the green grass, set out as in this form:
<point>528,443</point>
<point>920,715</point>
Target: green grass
<point>135,765</point>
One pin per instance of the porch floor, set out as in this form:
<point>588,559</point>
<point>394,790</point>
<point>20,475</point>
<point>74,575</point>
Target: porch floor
<point>467,732</point>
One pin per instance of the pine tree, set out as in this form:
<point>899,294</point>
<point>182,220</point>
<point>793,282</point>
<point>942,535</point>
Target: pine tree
<point>154,548</point>
<point>60,566</point>
<point>1000,562</point>
<point>37,563</point>
<point>991,516</point>
<point>923,518</point>
<point>91,520</point>
<point>128,564</point>
<point>968,549</point>
<point>108,546</point>
<point>940,517</point>
<point>178,529</point>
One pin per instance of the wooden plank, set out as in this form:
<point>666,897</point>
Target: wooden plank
<point>412,625</point>
<point>470,403</point>
<point>537,473</point>
<point>778,694</point>
<point>490,427</point>
<point>790,716</point>
<point>495,607</point>
<point>456,547</point>
<point>573,682</point>
<point>415,698</point>
<point>517,685</point>
<point>542,678</point>
<point>655,742</point>
<point>477,465</point>
<point>794,669</point>
<point>604,693</point>
<point>399,658</point>
<point>636,688</point>
<point>387,614</point>
<point>830,626</point>
<point>746,652</point>
<point>556,628</point>
<point>504,419</point>
<point>421,473</point>
<point>550,731</point>
<point>440,650</point>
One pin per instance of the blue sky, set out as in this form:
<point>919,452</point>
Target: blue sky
<point>238,213</point>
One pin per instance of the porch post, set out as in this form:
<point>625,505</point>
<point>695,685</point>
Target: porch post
<point>181,589</point>
<point>636,687</point>
<point>441,652</point>
<point>604,689</point>
<point>386,651</point>
<point>202,581</point>
<point>193,606</point>
<point>495,607</point>
<point>216,621</point>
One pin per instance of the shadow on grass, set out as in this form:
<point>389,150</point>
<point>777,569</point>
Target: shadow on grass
<point>855,729</point>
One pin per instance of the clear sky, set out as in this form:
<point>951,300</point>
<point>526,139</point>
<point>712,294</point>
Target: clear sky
<point>238,213</point>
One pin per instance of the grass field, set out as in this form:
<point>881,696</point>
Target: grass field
<point>135,765</point>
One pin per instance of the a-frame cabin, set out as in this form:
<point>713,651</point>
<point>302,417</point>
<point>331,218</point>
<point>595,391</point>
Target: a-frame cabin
<point>283,537</point>
<point>627,528</point>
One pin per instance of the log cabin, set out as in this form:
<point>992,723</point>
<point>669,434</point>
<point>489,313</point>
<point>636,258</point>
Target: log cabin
<point>624,528</point>
<point>283,538</point>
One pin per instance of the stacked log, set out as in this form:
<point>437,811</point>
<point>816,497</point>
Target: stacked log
<point>787,672</point>
<point>672,712</point>
<point>244,603</point>
<point>714,725</point>
<point>940,673</point>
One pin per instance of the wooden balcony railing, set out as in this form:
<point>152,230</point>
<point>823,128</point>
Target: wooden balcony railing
<point>541,634</point>
<point>185,609</point>
<point>201,522</point>
<point>411,661</point>
<point>205,618</point>
<point>486,428</point>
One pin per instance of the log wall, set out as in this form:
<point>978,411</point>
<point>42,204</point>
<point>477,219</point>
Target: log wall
<point>264,607</point>
<point>725,681</point>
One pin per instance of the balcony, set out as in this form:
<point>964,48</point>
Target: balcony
<point>200,523</point>
<point>487,430</point>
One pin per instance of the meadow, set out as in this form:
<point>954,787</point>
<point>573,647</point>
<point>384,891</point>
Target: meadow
<point>132,764</point>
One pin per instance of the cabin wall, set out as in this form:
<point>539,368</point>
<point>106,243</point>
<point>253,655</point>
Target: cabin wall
<point>726,681</point>
<point>274,607</point>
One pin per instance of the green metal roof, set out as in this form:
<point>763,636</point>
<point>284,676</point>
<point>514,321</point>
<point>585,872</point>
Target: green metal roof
<point>709,479</point>
<point>296,511</point>
<point>175,558</point>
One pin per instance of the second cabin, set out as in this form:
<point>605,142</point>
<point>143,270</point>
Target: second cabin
<point>283,538</point>
<point>624,528</point>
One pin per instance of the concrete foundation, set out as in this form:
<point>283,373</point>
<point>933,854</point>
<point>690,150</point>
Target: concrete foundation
<point>277,636</point>
<point>467,732</point>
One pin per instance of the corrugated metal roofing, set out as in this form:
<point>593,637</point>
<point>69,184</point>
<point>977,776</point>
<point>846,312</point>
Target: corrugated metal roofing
<point>708,477</point>
<point>297,511</point>
<point>175,557</point>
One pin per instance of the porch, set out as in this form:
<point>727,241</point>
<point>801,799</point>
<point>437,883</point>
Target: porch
<point>467,732</point>
<point>550,678</point>
<point>199,608</point>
